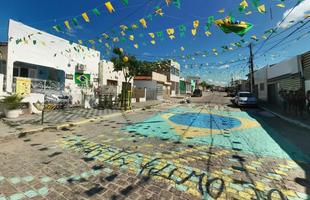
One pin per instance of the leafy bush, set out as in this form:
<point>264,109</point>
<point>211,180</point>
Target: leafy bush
<point>12,102</point>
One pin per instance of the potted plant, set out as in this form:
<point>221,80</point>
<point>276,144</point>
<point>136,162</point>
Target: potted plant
<point>11,105</point>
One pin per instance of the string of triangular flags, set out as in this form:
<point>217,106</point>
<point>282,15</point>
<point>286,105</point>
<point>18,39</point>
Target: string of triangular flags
<point>228,25</point>
<point>85,16</point>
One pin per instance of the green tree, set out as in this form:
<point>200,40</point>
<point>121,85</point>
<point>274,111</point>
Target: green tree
<point>128,64</point>
<point>204,85</point>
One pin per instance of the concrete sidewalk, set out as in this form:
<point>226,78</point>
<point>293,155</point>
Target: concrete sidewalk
<point>303,121</point>
<point>62,118</point>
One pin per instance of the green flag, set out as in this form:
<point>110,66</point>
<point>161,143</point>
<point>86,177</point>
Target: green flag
<point>125,2</point>
<point>96,12</point>
<point>57,28</point>
<point>75,22</point>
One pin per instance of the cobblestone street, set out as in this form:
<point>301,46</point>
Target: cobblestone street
<point>189,151</point>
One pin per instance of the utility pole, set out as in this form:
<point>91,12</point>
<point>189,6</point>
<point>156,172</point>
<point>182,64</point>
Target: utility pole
<point>251,69</point>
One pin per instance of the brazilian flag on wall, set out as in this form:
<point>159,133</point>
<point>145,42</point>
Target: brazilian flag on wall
<point>82,79</point>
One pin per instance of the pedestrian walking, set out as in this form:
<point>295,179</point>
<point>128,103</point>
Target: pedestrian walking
<point>290,100</point>
<point>295,102</point>
<point>285,100</point>
<point>308,99</point>
<point>282,100</point>
<point>301,100</point>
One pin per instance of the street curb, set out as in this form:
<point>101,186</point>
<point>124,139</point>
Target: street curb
<point>286,118</point>
<point>72,124</point>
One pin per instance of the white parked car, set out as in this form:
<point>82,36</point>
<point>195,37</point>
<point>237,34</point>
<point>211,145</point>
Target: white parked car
<point>245,99</point>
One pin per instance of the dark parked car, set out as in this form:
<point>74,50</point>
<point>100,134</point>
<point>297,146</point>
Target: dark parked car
<point>197,93</point>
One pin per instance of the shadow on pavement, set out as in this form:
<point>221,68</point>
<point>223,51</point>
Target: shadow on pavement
<point>292,139</point>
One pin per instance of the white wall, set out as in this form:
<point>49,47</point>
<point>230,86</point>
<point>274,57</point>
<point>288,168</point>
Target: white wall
<point>106,72</point>
<point>175,78</point>
<point>1,83</point>
<point>43,53</point>
<point>260,77</point>
<point>290,66</point>
<point>150,86</point>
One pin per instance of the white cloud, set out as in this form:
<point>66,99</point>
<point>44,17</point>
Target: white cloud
<point>296,15</point>
<point>224,66</point>
<point>210,80</point>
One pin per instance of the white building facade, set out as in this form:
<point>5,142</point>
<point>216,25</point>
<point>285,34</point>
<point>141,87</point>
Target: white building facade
<point>156,85</point>
<point>174,78</point>
<point>285,75</point>
<point>261,87</point>
<point>109,77</point>
<point>40,56</point>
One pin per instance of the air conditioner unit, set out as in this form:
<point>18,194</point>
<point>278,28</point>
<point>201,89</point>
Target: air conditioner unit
<point>80,67</point>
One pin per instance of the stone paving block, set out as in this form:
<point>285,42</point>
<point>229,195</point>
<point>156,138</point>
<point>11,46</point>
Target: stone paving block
<point>43,191</point>
<point>31,193</point>
<point>17,196</point>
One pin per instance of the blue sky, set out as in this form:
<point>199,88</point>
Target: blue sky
<point>44,15</point>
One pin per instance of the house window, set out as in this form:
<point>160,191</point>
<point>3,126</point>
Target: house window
<point>24,72</point>
<point>262,86</point>
<point>16,72</point>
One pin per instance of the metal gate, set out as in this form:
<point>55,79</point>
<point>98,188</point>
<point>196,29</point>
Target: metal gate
<point>272,95</point>
<point>306,65</point>
<point>159,91</point>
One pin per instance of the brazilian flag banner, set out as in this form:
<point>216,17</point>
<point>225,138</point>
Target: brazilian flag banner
<point>230,25</point>
<point>82,79</point>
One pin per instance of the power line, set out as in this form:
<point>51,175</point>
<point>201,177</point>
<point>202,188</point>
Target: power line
<point>277,27</point>
<point>285,37</point>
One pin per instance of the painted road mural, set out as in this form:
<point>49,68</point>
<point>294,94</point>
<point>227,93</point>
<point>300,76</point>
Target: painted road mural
<point>218,127</point>
<point>205,151</point>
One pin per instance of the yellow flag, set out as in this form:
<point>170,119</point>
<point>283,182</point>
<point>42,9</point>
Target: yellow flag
<point>123,33</point>
<point>143,23</point>
<point>264,37</point>
<point>67,24</point>
<point>134,26</point>
<point>194,32</point>
<point>171,37</point>
<point>196,23</point>
<point>123,27</point>
<point>208,33</point>
<point>85,17</point>
<point>254,37</point>
<point>159,12</point>
<point>182,48</point>
<point>170,31</point>
<point>115,39</point>
<point>132,37</point>
<point>109,6</point>
<point>261,8</point>
<point>281,5</point>
<point>222,10</point>
<point>244,4</point>
<point>152,35</point>
<point>153,42</point>
<point>136,46</point>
